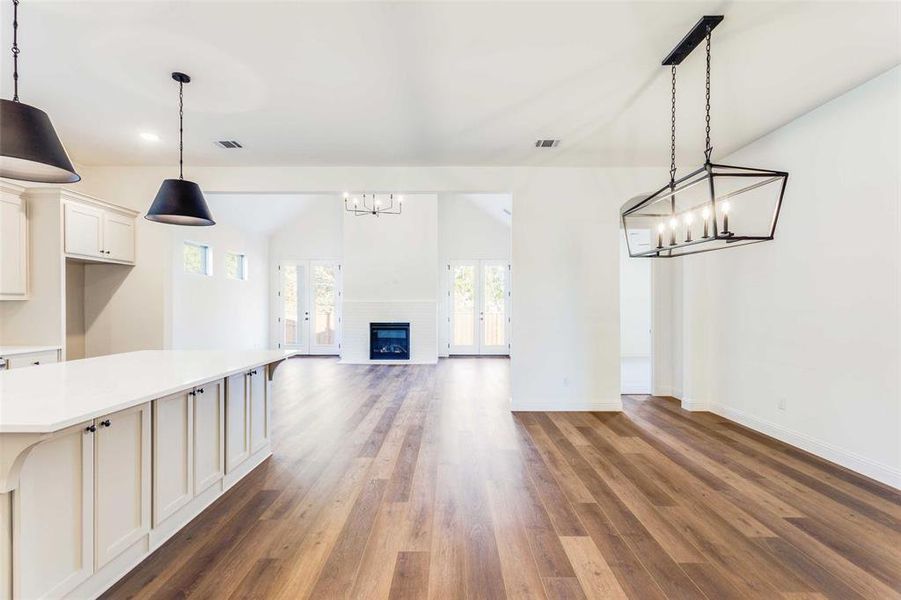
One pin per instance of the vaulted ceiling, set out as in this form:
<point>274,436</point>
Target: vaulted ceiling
<point>431,83</point>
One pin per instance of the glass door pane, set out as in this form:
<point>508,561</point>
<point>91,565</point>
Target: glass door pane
<point>324,288</point>
<point>493,313</point>
<point>463,303</point>
<point>294,315</point>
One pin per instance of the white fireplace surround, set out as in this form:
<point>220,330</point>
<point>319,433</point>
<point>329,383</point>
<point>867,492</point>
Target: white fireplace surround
<point>422,315</point>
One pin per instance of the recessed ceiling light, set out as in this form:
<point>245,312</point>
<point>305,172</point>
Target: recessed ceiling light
<point>148,136</point>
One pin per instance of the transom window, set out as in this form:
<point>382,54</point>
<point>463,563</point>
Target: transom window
<point>198,259</point>
<point>235,265</point>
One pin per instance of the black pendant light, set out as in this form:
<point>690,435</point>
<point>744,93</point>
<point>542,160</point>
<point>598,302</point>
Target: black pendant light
<point>715,207</point>
<point>180,202</point>
<point>30,150</point>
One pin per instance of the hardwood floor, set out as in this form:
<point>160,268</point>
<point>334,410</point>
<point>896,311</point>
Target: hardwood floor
<point>417,482</point>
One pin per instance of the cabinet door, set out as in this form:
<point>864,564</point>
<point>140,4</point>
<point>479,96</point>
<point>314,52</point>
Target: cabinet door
<point>237,435</point>
<point>53,517</point>
<point>13,247</point>
<point>209,435</point>
<point>83,230</point>
<point>119,237</point>
<point>121,481</point>
<point>173,454</point>
<point>259,409</point>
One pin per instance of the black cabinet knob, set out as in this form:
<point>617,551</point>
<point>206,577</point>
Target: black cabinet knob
<point>90,429</point>
<point>200,391</point>
<point>37,362</point>
<point>105,423</point>
<point>192,393</point>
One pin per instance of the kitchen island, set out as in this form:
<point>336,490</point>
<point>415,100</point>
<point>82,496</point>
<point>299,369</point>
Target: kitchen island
<point>103,459</point>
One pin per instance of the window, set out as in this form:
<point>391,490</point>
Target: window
<point>235,265</point>
<point>198,259</point>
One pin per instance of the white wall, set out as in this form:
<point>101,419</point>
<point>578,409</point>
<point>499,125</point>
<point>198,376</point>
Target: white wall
<point>214,312</point>
<point>814,318</point>
<point>390,274</point>
<point>470,227</point>
<point>635,304</point>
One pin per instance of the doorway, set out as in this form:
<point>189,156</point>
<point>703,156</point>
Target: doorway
<point>635,316</point>
<point>479,299</point>
<point>309,299</point>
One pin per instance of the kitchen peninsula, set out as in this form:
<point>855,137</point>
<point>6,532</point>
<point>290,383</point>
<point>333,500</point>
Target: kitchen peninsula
<point>103,459</point>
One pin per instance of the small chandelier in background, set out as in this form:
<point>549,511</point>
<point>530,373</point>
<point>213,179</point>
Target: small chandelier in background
<point>373,204</point>
<point>715,207</point>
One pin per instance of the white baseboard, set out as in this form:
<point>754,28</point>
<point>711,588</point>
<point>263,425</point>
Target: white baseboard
<point>860,464</point>
<point>694,405</point>
<point>544,405</point>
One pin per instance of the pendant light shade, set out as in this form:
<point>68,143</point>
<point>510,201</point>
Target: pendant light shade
<point>30,150</point>
<point>178,201</point>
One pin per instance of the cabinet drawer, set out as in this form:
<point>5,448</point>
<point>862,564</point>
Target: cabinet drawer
<point>35,358</point>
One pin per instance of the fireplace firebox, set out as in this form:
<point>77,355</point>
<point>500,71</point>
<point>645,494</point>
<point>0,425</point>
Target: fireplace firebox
<point>389,341</point>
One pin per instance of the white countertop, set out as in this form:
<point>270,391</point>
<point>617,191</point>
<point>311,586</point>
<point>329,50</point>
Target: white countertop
<point>50,397</point>
<point>13,350</point>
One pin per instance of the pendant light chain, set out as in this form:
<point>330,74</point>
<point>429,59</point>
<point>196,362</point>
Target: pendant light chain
<point>15,50</point>
<point>672,167</point>
<point>708,149</point>
<point>181,119</point>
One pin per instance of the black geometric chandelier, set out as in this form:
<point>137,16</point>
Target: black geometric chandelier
<point>373,204</point>
<point>178,201</point>
<point>715,207</point>
<point>30,150</point>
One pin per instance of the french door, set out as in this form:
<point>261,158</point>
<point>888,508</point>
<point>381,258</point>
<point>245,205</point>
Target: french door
<point>479,307</point>
<point>309,298</point>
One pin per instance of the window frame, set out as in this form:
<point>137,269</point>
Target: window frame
<point>242,262</point>
<point>207,258</point>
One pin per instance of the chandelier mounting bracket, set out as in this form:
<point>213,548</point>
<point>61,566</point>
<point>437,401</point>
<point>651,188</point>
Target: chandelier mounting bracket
<point>692,39</point>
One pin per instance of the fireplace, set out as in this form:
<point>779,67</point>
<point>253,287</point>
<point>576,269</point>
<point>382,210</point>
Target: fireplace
<point>389,341</point>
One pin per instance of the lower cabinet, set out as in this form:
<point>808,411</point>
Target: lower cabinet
<point>209,435</point>
<point>246,416</point>
<point>83,498</point>
<point>259,408</point>
<point>53,508</point>
<point>173,468</point>
<point>121,481</point>
<point>237,440</point>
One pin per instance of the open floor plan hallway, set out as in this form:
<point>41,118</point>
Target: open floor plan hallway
<point>418,482</point>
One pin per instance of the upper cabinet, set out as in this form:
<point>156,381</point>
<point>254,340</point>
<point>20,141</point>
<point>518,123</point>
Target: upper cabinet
<point>13,243</point>
<point>98,233</point>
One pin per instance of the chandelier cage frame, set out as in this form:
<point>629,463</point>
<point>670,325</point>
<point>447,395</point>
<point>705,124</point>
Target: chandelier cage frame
<point>369,204</point>
<point>667,217</point>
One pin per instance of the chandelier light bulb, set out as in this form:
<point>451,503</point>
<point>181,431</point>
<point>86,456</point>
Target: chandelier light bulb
<point>661,228</point>
<point>673,223</point>
<point>689,217</point>
<point>705,213</point>
<point>724,206</point>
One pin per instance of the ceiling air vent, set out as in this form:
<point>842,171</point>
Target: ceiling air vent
<point>547,143</point>
<point>229,144</point>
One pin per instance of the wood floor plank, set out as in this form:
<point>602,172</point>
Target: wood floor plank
<point>411,576</point>
<point>418,482</point>
<point>594,574</point>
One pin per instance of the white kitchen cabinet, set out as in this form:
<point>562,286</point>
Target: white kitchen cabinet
<point>209,435</point>
<point>13,245</point>
<point>30,359</point>
<point>119,236</point>
<point>237,430</point>
<point>53,516</point>
<point>121,481</point>
<point>98,232</point>
<point>258,401</point>
<point>173,454</point>
<point>83,230</point>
